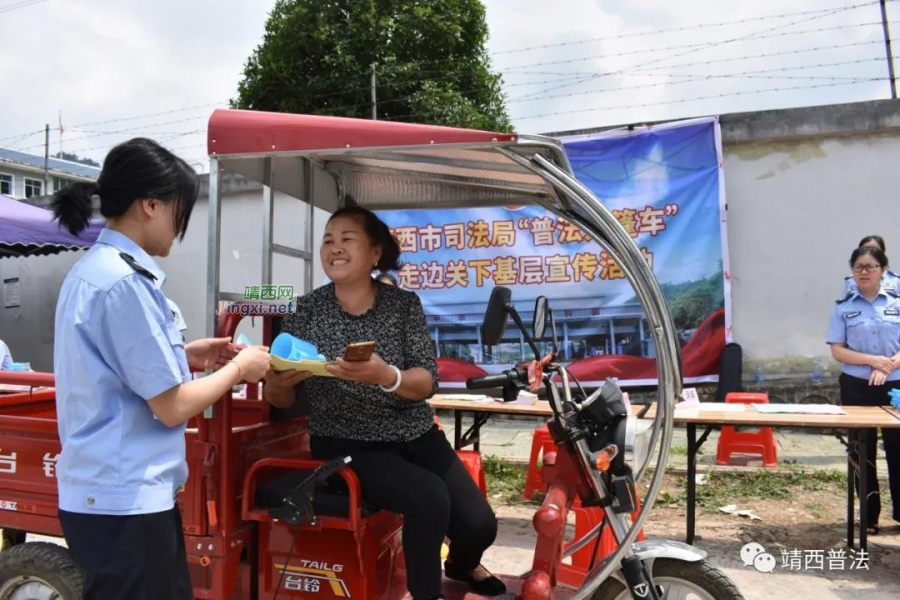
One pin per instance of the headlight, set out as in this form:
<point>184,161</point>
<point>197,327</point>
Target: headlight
<point>638,433</point>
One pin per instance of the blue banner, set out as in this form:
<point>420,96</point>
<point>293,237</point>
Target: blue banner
<point>663,184</point>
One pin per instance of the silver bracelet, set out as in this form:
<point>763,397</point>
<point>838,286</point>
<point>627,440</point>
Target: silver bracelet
<point>396,383</point>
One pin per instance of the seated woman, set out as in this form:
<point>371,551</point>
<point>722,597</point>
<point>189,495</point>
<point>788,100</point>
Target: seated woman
<point>376,410</point>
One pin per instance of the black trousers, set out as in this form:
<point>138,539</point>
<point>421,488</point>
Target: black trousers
<point>129,557</point>
<point>424,481</point>
<point>858,392</point>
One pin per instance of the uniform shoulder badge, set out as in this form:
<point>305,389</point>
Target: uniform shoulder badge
<point>137,267</point>
<point>845,298</point>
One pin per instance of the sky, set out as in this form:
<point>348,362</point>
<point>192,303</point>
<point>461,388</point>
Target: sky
<point>116,69</point>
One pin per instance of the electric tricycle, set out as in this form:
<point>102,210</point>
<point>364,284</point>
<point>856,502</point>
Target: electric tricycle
<point>262,519</point>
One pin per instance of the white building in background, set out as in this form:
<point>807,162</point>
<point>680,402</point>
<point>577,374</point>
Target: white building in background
<point>22,174</point>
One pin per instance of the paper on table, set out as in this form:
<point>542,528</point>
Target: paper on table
<point>807,409</point>
<point>316,367</point>
<point>466,397</point>
<point>711,406</point>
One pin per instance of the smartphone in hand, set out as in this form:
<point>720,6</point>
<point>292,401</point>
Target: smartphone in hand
<point>359,351</point>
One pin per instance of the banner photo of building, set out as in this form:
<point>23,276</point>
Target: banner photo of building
<point>664,185</point>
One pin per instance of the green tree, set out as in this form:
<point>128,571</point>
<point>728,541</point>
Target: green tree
<point>430,57</point>
<point>76,158</point>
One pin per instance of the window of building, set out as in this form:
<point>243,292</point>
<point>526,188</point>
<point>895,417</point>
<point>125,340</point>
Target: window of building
<point>59,183</point>
<point>6,184</point>
<point>33,187</point>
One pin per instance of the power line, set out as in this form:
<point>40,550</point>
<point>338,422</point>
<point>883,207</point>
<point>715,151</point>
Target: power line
<point>698,98</point>
<point>25,4</point>
<point>772,54</point>
<point>682,29</point>
<point>700,45</point>
<point>692,48</point>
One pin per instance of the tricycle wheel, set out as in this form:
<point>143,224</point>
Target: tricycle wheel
<point>39,571</point>
<point>12,537</point>
<point>678,579</point>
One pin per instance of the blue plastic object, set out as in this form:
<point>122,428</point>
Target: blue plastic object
<point>20,366</point>
<point>895,398</point>
<point>243,340</point>
<point>292,348</point>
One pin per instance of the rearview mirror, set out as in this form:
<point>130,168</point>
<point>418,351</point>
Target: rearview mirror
<point>496,316</point>
<point>540,317</point>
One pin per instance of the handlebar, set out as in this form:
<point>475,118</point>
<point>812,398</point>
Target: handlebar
<point>510,376</point>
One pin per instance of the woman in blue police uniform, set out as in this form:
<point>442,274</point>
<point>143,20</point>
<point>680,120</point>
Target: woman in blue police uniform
<point>123,385</point>
<point>889,279</point>
<point>864,334</point>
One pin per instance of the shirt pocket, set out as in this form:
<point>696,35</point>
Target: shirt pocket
<point>857,335</point>
<point>176,339</point>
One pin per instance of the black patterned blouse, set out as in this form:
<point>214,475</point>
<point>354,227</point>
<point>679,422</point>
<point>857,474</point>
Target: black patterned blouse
<point>360,411</point>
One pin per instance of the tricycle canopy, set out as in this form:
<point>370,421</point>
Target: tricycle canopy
<point>381,164</point>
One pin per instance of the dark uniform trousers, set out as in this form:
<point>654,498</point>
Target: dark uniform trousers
<point>129,557</point>
<point>858,392</point>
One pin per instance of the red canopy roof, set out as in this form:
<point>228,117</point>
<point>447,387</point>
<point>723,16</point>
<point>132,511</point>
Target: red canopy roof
<point>233,132</point>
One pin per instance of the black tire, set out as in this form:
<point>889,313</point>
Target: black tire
<point>43,564</point>
<point>700,574</point>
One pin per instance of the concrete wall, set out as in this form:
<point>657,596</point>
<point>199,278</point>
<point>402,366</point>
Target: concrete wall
<point>796,210</point>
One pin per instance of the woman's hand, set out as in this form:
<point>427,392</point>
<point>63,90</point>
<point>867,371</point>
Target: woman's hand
<point>284,380</point>
<point>882,363</point>
<point>877,377</point>
<point>374,371</point>
<point>210,353</point>
<point>254,362</point>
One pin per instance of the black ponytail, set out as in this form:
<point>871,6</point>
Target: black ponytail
<point>72,205</point>
<point>133,170</point>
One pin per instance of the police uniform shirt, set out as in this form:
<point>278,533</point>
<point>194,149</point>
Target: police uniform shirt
<point>116,346</point>
<point>890,281</point>
<point>867,327</point>
<point>176,315</point>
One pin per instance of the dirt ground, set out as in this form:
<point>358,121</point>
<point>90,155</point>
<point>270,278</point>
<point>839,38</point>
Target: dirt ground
<point>789,529</point>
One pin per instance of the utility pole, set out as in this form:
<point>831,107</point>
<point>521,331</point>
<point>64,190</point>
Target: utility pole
<point>887,45</point>
<point>46,189</point>
<point>374,97</point>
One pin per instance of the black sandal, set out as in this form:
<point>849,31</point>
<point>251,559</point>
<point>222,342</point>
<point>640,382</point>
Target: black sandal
<point>489,586</point>
<point>872,529</point>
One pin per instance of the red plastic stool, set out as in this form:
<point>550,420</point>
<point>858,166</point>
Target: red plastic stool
<point>760,442</point>
<point>471,459</point>
<point>541,443</point>
<point>585,520</point>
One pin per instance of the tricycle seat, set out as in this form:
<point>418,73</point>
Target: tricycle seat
<point>329,500</point>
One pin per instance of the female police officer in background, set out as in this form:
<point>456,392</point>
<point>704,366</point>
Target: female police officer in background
<point>123,387</point>
<point>864,334</point>
<point>889,280</point>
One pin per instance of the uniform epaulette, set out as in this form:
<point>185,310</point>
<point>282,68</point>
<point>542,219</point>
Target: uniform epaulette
<point>892,274</point>
<point>848,277</point>
<point>845,298</point>
<point>891,292</point>
<point>134,265</point>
